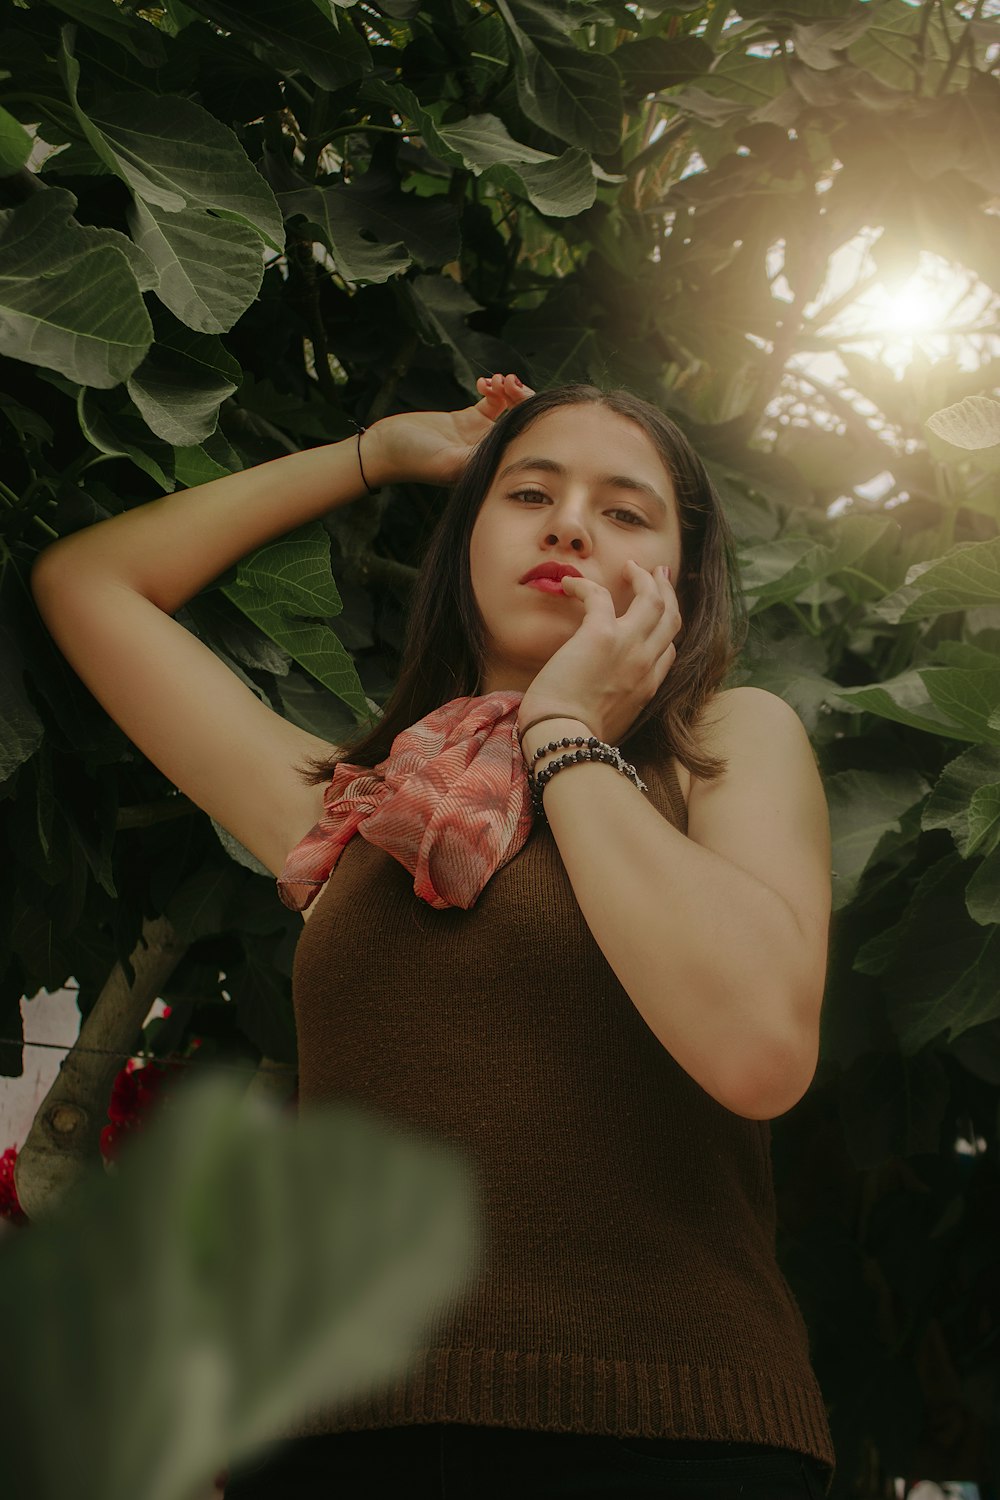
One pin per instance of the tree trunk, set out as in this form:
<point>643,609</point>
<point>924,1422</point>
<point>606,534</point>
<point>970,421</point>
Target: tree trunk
<point>64,1141</point>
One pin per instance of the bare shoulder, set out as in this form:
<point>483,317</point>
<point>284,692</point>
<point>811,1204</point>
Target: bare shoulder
<point>748,727</point>
<point>768,812</point>
<point>733,715</point>
<point>722,722</point>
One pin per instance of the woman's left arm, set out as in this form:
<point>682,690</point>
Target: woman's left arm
<point>720,937</point>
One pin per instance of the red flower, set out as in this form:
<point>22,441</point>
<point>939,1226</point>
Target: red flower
<point>10,1208</point>
<point>133,1094</point>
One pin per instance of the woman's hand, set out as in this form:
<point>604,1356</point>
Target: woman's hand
<point>607,672</point>
<point>433,447</point>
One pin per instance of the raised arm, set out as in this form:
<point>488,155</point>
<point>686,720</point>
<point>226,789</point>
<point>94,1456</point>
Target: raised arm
<point>169,549</point>
<point>107,594</point>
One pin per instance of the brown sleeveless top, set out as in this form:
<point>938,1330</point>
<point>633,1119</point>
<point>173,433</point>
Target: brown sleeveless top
<point>629,1285</point>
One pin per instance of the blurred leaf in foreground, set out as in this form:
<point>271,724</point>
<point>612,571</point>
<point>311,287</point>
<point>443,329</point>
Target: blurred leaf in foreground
<point>242,1268</point>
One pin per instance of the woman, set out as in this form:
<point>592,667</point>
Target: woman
<point>601,976</point>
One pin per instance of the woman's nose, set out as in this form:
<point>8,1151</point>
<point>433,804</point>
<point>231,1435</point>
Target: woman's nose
<point>568,531</point>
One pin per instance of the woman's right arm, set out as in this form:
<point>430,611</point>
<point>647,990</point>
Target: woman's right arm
<point>107,594</point>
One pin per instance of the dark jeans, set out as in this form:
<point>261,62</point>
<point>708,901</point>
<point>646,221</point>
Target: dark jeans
<point>454,1461</point>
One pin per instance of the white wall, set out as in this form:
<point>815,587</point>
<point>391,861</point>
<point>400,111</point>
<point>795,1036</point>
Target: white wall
<point>47,1018</point>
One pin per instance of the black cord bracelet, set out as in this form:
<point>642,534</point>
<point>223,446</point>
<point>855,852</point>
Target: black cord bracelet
<point>360,464</point>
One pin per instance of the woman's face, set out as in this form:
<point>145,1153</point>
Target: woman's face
<point>589,489</point>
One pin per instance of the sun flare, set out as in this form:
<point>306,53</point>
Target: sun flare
<point>937,310</point>
<point>916,307</point>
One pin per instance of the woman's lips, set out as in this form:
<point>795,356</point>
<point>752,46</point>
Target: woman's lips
<point>547,586</point>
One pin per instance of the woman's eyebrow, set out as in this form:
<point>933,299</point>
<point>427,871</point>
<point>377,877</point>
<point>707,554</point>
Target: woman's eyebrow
<point>618,481</point>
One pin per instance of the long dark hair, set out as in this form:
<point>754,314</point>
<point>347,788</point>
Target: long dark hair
<point>445,654</point>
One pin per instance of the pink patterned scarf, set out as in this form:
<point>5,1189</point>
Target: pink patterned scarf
<point>451,802</point>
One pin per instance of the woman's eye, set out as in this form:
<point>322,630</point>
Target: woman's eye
<point>528,496</point>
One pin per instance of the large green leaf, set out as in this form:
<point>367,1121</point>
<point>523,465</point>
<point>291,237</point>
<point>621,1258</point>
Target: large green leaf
<point>556,185</point>
<point>740,85</point>
<point>982,894</point>
<point>181,384</point>
<point>15,144</point>
<point>966,576</point>
<point>782,568</point>
<point>782,12</point>
<point>710,109</point>
<point>966,801</point>
<point>209,270</point>
<point>20,727</point>
<point>820,44</point>
<point>143,269</point>
<point>969,698</point>
<point>109,20</point>
<point>903,47</point>
<point>113,424</point>
<point>212,459</point>
<point>655,62</point>
<point>793,668</point>
<point>557,338</point>
<point>287,590</point>
<point>243,1268</point>
<point>266,1013</point>
<point>546,19</point>
<point>865,806</point>
<point>306,704</point>
<point>573,94</point>
<point>174,154</point>
<point>973,423</point>
<point>940,970</point>
<point>229,633</point>
<point>372,212</point>
<point>441,308</point>
<point>303,34</point>
<point>905,699</point>
<point>558,188</point>
<point>68,296</point>
<point>372,230</point>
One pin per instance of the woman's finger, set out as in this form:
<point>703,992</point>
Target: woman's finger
<point>654,588</point>
<point>671,612</point>
<point>492,395</point>
<point>593,596</point>
<point>647,589</point>
<point>665,661</point>
<point>503,389</point>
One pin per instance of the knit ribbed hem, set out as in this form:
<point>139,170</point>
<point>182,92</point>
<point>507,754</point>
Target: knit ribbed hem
<point>575,1393</point>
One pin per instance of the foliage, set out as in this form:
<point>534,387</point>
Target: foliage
<point>239,1267</point>
<point>261,225</point>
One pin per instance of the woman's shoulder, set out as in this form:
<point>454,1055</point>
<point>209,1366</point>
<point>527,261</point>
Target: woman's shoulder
<point>722,725</point>
<point>729,706</point>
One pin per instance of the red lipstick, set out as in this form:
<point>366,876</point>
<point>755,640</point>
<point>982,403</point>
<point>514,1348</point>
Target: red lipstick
<point>549,576</point>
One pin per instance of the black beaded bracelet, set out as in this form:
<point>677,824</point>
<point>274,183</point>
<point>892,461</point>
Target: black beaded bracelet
<point>564,744</point>
<point>592,749</point>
